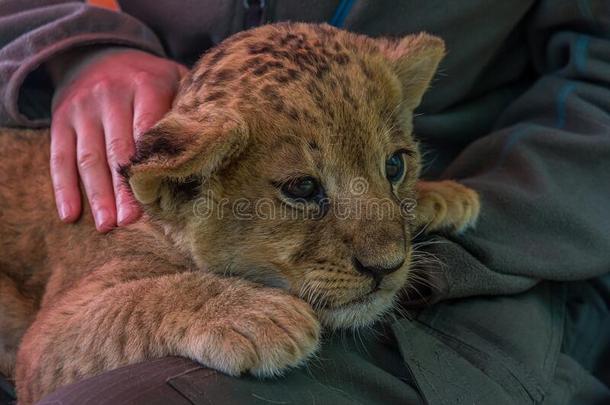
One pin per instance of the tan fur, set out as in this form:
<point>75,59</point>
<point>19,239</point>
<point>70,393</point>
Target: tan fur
<point>223,268</point>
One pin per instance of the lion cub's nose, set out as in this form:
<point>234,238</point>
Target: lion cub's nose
<point>377,271</point>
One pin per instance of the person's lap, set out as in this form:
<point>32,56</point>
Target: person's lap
<point>516,349</point>
<point>351,369</point>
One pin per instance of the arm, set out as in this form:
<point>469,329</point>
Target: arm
<point>35,32</point>
<point>123,314</point>
<point>103,91</point>
<point>544,173</point>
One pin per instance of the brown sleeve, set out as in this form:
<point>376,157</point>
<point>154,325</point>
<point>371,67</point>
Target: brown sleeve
<point>35,31</point>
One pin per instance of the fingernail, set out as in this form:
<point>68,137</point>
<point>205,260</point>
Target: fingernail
<point>124,215</point>
<point>103,219</point>
<point>65,211</point>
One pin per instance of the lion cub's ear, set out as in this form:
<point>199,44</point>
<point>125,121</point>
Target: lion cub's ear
<point>179,148</point>
<point>415,59</point>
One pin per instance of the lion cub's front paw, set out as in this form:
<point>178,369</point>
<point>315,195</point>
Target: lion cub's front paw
<point>264,332</point>
<point>446,205</point>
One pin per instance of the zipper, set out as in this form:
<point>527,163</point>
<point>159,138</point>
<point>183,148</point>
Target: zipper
<point>341,13</point>
<point>254,14</point>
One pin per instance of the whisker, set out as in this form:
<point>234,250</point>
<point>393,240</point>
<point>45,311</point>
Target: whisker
<point>429,242</point>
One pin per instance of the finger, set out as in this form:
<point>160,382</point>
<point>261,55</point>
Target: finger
<point>94,172</point>
<point>150,105</point>
<point>120,146</point>
<point>64,173</point>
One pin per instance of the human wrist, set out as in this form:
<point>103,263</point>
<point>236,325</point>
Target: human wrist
<point>63,67</point>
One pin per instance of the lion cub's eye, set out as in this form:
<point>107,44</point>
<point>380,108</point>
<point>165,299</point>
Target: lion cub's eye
<point>304,188</point>
<point>395,167</point>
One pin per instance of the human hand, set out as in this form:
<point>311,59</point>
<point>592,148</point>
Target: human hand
<point>99,108</point>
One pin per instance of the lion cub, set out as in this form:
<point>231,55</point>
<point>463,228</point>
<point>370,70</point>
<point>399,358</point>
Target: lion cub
<point>275,194</point>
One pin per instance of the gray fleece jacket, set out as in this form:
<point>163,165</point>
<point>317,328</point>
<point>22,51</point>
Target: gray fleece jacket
<point>520,111</point>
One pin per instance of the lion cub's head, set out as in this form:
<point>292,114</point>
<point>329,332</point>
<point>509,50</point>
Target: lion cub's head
<point>288,158</point>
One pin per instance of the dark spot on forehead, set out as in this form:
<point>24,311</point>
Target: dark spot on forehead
<point>320,97</point>
<point>312,86</point>
<point>281,54</point>
<point>275,64</point>
<point>214,95</point>
<point>259,48</point>
<point>185,108</point>
<point>216,55</point>
<point>224,75</point>
<point>293,74</point>
<point>251,64</point>
<point>284,40</point>
<point>268,66</point>
<point>341,58</point>
<point>278,106</point>
<point>261,70</point>
<point>281,78</point>
<point>199,78</point>
<point>293,114</point>
<point>322,70</point>
<point>270,92</point>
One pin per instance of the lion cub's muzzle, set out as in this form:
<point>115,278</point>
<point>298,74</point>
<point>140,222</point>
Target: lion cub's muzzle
<point>377,273</point>
<point>379,248</point>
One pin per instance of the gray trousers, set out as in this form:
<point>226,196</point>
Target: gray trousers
<point>550,345</point>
